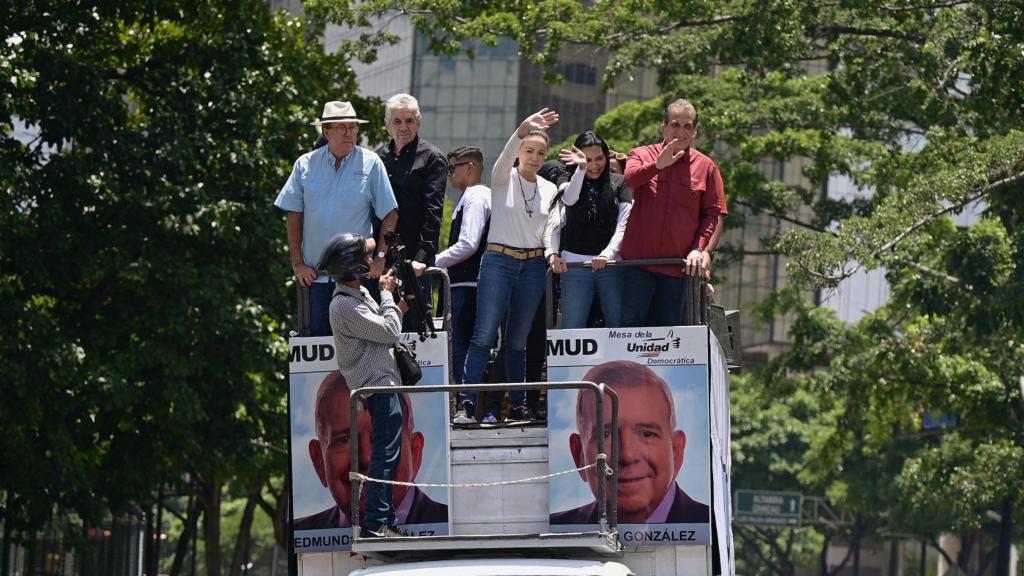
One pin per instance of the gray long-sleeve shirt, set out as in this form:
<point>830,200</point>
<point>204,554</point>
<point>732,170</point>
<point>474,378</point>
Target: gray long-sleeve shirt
<point>364,335</point>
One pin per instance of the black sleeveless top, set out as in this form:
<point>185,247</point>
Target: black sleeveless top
<point>590,222</point>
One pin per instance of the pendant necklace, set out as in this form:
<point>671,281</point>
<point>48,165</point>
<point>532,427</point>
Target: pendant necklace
<point>527,202</point>
<point>592,214</point>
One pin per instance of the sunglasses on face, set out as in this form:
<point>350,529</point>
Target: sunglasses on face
<point>452,167</point>
<point>343,128</point>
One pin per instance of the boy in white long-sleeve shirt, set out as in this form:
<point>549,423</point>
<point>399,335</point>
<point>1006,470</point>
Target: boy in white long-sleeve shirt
<point>466,247</point>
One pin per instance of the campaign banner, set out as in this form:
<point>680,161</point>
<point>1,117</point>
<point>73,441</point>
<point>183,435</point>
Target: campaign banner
<point>664,463</point>
<point>319,418</point>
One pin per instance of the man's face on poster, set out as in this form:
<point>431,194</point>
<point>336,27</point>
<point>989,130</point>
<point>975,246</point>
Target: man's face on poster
<point>331,451</point>
<point>650,449</point>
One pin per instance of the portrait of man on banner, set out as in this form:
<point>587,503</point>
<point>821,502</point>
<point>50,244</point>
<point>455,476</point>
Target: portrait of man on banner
<point>663,462</point>
<point>331,457</point>
<point>322,457</point>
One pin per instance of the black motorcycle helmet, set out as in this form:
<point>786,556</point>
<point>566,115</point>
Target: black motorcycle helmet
<point>344,257</point>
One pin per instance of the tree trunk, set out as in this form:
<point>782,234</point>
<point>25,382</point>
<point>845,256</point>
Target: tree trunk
<point>790,565</point>
<point>283,515</point>
<point>948,546</point>
<point>147,543</point>
<point>782,555</point>
<point>1003,567</point>
<point>280,516</point>
<point>195,544</point>
<point>211,525</point>
<point>159,530</point>
<point>293,558</point>
<point>923,569</point>
<point>823,556</point>
<point>5,567</point>
<point>30,555</point>
<point>895,557</point>
<point>857,530</point>
<point>189,526</point>
<point>242,542</point>
<point>963,559</point>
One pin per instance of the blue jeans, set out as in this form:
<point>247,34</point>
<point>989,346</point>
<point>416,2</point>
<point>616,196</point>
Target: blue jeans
<point>505,285</point>
<point>578,287</point>
<point>320,294</point>
<point>463,308</point>
<point>651,299</point>
<point>385,443</point>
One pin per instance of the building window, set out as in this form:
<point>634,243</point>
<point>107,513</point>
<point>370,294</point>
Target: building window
<point>578,73</point>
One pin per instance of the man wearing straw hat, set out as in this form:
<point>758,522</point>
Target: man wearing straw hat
<point>333,190</point>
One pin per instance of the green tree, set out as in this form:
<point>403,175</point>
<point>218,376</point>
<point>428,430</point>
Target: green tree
<point>143,270</point>
<point>770,435</point>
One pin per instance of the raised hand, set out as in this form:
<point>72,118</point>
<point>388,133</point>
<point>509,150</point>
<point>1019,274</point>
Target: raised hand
<point>572,156</point>
<point>669,155</point>
<point>540,120</point>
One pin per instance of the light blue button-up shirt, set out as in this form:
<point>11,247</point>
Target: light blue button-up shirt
<point>336,201</point>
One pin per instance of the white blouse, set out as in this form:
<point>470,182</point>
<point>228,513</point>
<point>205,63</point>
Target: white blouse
<point>519,209</point>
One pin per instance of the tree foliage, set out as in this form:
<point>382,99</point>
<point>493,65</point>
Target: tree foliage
<point>142,267</point>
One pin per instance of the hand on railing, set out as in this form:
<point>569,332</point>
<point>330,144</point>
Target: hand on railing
<point>694,264</point>
<point>557,264</point>
<point>305,275</point>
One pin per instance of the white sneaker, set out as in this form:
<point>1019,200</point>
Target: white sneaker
<point>489,419</point>
<point>466,414</point>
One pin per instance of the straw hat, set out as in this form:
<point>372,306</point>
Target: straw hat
<point>338,112</point>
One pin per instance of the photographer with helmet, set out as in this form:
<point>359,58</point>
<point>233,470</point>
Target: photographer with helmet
<point>364,336</point>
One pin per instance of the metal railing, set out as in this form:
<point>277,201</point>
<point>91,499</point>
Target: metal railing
<point>608,519</point>
<point>695,300</point>
<point>302,301</point>
<point>694,290</point>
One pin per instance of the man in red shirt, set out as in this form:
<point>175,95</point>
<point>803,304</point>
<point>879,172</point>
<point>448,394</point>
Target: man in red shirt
<point>678,198</point>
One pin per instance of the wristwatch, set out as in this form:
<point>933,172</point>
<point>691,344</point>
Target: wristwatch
<point>381,254</point>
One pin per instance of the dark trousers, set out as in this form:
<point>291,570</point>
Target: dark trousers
<point>385,447</point>
<point>463,309</point>
<point>320,294</point>
<point>651,299</point>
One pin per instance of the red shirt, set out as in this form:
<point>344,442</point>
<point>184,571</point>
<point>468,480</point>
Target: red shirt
<point>675,210</point>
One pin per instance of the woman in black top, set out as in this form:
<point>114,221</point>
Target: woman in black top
<point>595,207</point>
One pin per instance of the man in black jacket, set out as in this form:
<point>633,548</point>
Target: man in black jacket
<point>418,174</point>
